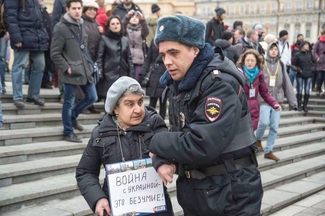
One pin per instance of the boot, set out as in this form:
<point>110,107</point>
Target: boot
<point>259,145</point>
<point>92,109</point>
<point>271,156</point>
<point>318,89</point>
<point>299,96</point>
<point>306,98</point>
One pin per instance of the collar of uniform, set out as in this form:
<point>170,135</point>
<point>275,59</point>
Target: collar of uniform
<point>200,62</point>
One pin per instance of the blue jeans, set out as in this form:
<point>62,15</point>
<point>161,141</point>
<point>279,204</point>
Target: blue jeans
<point>303,83</point>
<point>268,117</point>
<point>69,112</point>
<point>292,75</point>
<point>320,79</point>
<point>37,65</point>
<point>3,50</point>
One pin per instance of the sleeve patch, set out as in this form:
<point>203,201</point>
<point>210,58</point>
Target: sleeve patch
<point>212,108</point>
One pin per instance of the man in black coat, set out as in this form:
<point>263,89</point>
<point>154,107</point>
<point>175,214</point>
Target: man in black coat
<point>28,39</point>
<point>211,145</point>
<point>215,26</point>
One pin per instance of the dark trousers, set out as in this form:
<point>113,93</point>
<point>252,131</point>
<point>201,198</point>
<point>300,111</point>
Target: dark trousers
<point>162,105</point>
<point>48,69</point>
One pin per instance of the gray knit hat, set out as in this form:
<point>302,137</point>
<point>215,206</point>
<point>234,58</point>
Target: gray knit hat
<point>182,29</point>
<point>116,91</point>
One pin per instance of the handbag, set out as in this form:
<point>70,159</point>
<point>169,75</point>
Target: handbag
<point>96,73</point>
<point>145,48</point>
<point>146,78</point>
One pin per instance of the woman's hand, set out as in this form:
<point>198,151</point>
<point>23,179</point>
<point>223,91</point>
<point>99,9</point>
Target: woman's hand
<point>101,205</point>
<point>140,15</point>
<point>277,107</point>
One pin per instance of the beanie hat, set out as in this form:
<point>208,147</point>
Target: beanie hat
<point>269,38</point>
<point>116,91</point>
<point>283,33</point>
<point>257,26</point>
<point>226,35</point>
<point>154,8</point>
<point>180,28</point>
<point>220,11</point>
<point>90,4</point>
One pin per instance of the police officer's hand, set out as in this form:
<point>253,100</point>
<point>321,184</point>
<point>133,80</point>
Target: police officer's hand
<point>69,70</point>
<point>166,172</point>
<point>101,205</point>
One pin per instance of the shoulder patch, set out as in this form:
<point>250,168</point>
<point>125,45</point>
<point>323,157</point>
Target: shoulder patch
<point>212,108</point>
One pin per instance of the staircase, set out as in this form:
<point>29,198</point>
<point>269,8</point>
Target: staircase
<point>37,168</point>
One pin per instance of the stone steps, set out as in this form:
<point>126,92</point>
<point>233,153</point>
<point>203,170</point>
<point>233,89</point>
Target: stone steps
<point>64,185</point>
<point>37,168</point>
<point>287,194</point>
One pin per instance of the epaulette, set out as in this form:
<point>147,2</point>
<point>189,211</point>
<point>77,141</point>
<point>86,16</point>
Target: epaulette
<point>216,73</point>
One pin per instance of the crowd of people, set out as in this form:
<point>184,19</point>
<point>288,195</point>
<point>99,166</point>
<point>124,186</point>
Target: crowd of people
<point>222,84</point>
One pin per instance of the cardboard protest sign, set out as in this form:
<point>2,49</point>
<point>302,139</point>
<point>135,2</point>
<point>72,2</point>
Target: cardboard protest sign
<point>135,188</point>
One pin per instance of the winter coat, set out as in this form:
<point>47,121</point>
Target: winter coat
<point>135,35</point>
<point>154,88</point>
<point>207,109</point>
<point>302,62</point>
<point>229,50</point>
<point>283,87</point>
<point>66,52</point>
<point>101,17</point>
<point>59,7</point>
<point>91,27</point>
<point>114,60</point>
<point>214,29</point>
<point>285,53</point>
<point>152,23</point>
<point>245,44</point>
<point>24,21</point>
<point>121,11</point>
<point>260,89</point>
<point>104,148</point>
<point>319,52</point>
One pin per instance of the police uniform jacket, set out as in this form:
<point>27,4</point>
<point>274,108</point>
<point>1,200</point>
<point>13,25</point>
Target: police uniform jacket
<point>208,111</point>
<point>105,146</point>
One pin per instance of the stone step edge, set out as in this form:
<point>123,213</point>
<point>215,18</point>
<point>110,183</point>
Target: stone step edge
<point>53,131</point>
<point>60,162</point>
<point>78,206</point>
<point>71,186</point>
<point>275,200</point>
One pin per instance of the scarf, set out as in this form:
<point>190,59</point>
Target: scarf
<point>114,35</point>
<point>205,55</point>
<point>250,73</point>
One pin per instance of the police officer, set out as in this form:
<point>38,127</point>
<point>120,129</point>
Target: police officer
<point>211,144</point>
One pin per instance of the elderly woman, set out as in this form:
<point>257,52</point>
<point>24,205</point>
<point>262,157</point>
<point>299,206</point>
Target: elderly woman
<point>123,134</point>
<point>251,63</point>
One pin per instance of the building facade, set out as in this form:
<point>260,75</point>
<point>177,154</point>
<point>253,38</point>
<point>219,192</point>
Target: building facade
<point>296,16</point>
